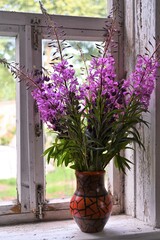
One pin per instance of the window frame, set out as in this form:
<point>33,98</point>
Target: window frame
<point>31,204</point>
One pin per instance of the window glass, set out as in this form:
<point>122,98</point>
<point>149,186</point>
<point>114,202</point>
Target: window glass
<point>7,123</point>
<point>92,8</point>
<point>60,181</point>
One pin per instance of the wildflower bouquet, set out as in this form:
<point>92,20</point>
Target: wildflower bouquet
<point>96,119</point>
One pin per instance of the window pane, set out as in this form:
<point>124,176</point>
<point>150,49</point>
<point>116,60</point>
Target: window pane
<point>76,49</point>
<point>7,123</point>
<point>92,8</point>
<point>60,181</point>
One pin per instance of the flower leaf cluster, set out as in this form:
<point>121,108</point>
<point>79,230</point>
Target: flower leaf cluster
<point>94,120</point>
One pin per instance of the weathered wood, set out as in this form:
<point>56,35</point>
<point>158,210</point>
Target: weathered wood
<point>76,28</point>
<point>116,188</point>
<point>117,228</point>
<point>129,61</point>
<point>145,160</point>
<point>115,180</point>
<point>21,127</point>
<point>156,143</point>
<point>141,24</point>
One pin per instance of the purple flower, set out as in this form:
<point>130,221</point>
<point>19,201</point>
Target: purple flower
<point>62,90</point>
<point>54,93</point>
<point>101,77</point>
<point>143,79</point>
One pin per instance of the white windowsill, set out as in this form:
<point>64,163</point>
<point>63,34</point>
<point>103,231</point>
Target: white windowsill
<point>118,227</point>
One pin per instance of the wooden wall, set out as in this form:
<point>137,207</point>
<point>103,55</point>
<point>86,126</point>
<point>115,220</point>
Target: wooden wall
<point>142,183</point>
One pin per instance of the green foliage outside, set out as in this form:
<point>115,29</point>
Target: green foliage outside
<point>59,184</point>
<point>7,83</point>
<point>8,136</point>
<point>94,8</point>
<point>8,189</point>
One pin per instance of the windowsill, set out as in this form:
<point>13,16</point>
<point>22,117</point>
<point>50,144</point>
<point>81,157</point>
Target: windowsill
<point>118,227</point>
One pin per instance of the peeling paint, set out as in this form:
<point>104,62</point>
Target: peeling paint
<point>51,208</point>
<point>25,185</point>
<point>146,210</point>
<point>140,184</point>
<point>140,14</point>
<point>16,208</point>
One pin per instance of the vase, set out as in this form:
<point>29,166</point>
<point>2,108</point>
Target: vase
<point>91,204</point>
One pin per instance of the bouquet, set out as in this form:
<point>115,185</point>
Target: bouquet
<point>96,119</point>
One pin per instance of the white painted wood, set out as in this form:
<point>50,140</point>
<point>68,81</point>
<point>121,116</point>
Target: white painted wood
<point>35,143</point>
<point>129,186</point>
<point>115,178</point>
<point>8,30</point>
<point>129,62</point>
<point>76,28</point>
<point>21,127</point>
<point>118,227</point>
<point>145,161</point>
<point>157,132</point>
<point>10,207</point>
<point>72,22</point>
<point>115,187</point>
<point>81,35</point>
<point>140,27</point>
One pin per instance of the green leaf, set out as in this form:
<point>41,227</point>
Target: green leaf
<point>121,163</point>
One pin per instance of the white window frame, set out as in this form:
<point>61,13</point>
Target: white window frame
<point>31,204</point>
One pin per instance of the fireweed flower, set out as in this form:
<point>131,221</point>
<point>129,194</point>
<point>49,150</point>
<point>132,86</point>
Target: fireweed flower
<point>54,93</point>
<point>102,81</point>
<point>101,76</point>
<point>142,79</point>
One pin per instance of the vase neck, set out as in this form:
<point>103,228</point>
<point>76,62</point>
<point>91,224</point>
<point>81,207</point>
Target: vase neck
<point>89,183</point>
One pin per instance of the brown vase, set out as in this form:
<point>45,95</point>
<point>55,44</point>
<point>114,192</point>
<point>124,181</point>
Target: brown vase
<point>91,204</point>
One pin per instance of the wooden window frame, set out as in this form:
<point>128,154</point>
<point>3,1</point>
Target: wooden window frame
<point>29,30</point>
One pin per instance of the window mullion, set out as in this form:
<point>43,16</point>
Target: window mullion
<point>35,133</point>
<point>22,144</point>
<point>30,145</point>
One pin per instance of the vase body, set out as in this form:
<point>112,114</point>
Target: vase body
<point>91,205</point>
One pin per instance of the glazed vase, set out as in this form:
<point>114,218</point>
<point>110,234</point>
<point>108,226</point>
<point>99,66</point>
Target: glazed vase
<point>91,205</point>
